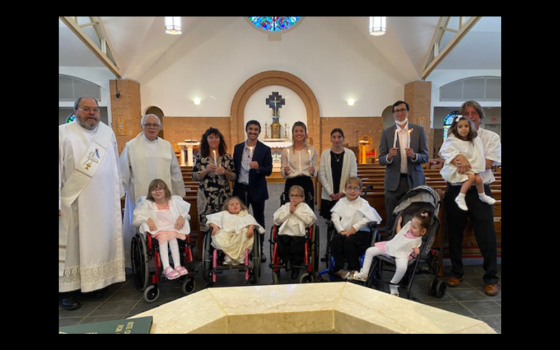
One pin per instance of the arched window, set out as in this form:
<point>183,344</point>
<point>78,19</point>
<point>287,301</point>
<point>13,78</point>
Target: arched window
<point>447,122</point>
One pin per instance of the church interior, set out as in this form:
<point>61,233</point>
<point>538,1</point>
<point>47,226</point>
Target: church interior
<point>329,72</point>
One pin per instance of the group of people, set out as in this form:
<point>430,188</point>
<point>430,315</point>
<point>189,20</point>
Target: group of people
<point>93,239</point>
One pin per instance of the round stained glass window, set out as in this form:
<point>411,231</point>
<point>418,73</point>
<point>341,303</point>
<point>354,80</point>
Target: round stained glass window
<point>274,23</point>
<point>70,118</point>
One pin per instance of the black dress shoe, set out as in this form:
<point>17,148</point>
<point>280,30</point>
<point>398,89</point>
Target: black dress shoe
<point>70,303</point>
<point>295,273</point>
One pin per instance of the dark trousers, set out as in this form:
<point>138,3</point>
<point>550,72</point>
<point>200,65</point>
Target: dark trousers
<point>242,191</point>
<point>482,219</point>
<point>349,248</point>
<point>291,248</point>
<point>392,199</point>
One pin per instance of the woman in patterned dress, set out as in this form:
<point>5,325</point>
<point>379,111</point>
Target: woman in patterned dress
<point>213,169</point>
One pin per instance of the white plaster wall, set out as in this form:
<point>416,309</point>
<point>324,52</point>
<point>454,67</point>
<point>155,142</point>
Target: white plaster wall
<point>217,55</point>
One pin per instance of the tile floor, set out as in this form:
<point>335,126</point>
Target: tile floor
<point>123,300</point>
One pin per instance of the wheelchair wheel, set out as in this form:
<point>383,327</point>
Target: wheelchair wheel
<point>151,294</point>
<point>189,285</point>
<point>139,259</point>
<point>306,278</point>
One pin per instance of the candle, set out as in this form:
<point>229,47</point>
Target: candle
<point>251,153</point>
<point>395,139</point>
<point>288,153</point>
<point>310,156</point>
<point>409,132</point>
<point>215,161</point>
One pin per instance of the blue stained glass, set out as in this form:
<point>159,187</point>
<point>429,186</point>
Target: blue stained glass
<point>70,118</point>
<point>274,23</point>
<point>447,122</point>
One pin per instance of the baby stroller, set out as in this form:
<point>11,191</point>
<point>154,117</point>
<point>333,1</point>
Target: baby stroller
<point>421,197</point>
<point>146,275</point>
<point>311,249</point>
<point>213,261</point>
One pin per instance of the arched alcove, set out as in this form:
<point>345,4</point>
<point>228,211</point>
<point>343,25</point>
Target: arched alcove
<point>281,78</point>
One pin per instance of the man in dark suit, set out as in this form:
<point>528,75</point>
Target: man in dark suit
<point>253,163</point>
<point>403,157</point>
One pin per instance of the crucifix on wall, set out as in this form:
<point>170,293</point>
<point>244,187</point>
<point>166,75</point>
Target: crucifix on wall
<point>275,101</point>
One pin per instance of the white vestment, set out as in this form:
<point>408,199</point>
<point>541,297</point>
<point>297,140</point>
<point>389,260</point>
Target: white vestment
<point>356,213</point>
<point>91,225</point>
<point>231,238</point>
<point>294,224</point>
<point>141,162</point>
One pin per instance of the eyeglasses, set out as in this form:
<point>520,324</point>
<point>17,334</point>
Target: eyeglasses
<point>295,195</point>
<point>87,109</point>
<point>151,125</point>
<point>352,188</point>
<point>399,110</point>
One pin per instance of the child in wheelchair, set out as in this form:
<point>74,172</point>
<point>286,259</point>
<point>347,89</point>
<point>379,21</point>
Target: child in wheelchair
<point>165,217</point>
<point>293,218</point>
<point>350,214</point>
<point>232,230</point>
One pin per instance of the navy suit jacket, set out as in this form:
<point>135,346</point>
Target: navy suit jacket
<point>419,145</point>
<point>257,179</point>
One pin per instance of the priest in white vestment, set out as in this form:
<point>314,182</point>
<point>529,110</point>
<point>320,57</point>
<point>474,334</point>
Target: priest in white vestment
<point>91,253</point>
<point>145,158</point>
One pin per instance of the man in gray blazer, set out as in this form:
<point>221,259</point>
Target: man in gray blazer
<point>403,149</point>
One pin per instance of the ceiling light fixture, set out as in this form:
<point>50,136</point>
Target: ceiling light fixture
<point>173,25</point>
<point>377,25</point>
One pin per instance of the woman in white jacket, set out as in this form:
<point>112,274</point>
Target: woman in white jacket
<point>337,165</point>
<point>166,218</point>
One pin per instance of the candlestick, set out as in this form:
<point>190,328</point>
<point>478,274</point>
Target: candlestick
<point>395,139</point>
<point>409,132</point>
<point>215,161</point>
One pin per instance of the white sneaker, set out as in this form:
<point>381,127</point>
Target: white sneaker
<point>358,276</point>
<point>486,199</point>
<point>394,289</point>
<point>460,200</point>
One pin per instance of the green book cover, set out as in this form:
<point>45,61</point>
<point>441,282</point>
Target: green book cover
<point>140,325</point>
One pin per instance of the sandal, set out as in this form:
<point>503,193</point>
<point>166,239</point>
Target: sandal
<point>181,270</point>
<point>170,273</point>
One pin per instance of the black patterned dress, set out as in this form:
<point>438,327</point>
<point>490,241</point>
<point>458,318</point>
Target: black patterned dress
<point>214,189</point>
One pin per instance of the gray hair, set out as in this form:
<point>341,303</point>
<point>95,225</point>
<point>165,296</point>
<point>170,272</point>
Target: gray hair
<point>77,102</point>
<point>149,115</point>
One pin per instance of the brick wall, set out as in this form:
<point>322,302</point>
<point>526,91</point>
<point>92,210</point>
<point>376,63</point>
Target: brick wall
<point>125,110</point>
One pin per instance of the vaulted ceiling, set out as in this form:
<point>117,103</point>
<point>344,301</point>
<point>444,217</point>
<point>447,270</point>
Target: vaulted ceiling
<point>416,46</point>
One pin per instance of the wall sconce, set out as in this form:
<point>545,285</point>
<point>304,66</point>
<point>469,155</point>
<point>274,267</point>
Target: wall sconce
<point>351,102</point>
<point>173,25</point>
<point>377,25</point>
<point>196,101</point>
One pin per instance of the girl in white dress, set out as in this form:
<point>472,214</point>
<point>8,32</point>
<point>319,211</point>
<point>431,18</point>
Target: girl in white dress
<point>232,230</point>
<point>462,139</point>
<point>402,247</point>
<point>165,217</point>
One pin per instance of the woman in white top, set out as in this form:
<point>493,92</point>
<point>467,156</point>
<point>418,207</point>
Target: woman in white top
<point>299,163</point>
<point>337,165</point>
